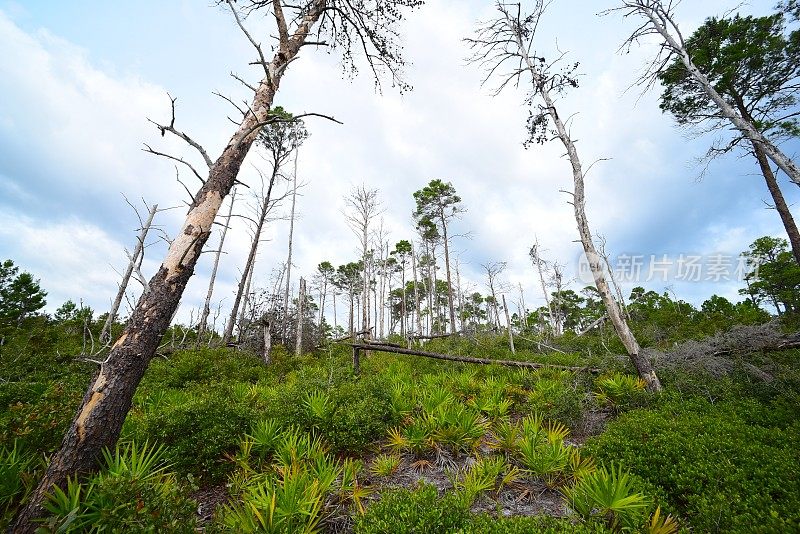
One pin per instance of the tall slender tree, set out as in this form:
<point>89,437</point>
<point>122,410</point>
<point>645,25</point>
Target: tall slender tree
<point>370,25</point>
<point>202,325</point>
<point>279,139</point>
<point>509,39</point>
<point>439,203</point>
<point>363,205</point>
<point>402,251</point>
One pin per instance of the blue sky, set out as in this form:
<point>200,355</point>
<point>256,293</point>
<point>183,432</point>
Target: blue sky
<point>79,78</point>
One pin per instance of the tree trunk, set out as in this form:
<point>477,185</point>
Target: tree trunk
<point>251,260</point>
<point>335,323</point>
<point>289,258</point>
<point>643,366</point>
<point>301,304</point>
<point>774,190</point>
<point>267,342</point>
<point>553,320</point>
<point>658,19</point>
<point>416,290</point>
<point>99,419</point>
<point>105,334</point>
<point>508,327</point>
<point>447,272</point>
<point>203,325</point>
<point>460,301</point>
<point>780,202</point>
<point>403,304</point>
<point>365,283</point>
<point>245,302</point>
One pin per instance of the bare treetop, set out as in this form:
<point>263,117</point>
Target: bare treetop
<point>357,28</point>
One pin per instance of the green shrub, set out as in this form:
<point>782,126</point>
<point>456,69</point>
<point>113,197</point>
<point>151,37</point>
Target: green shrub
<point>198,429</point>
<point>725,467</point>
<point>487,524</point>
<point>557,398</point>
<point>420,510</point>
<point>620,391</point>
<point>39,423</point>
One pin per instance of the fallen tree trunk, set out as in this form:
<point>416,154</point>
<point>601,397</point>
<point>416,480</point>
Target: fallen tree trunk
<point>466,359</point>
<point>435,336</point>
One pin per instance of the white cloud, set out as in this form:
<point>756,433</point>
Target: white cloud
<point>71,129</point>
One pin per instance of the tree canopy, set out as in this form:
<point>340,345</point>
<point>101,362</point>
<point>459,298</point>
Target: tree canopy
<point>753,62</point>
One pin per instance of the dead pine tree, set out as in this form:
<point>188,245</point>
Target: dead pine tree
<point>493,270</point>
<point>279,140</point>
<point>371,26</point>
<point>540,264</point>
<point>134,260</point>
<point>202,325</point>
<point>363,205</point>
<point>289,253</point>
<point>509,40</point>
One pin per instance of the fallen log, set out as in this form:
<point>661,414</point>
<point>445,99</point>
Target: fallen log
<point>464,359</point>
<point>434,336</point>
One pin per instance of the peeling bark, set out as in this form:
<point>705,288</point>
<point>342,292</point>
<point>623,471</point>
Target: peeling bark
<point>107,401</point>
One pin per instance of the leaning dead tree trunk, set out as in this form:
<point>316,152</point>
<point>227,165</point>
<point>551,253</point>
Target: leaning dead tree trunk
<point>510,37</point>
<point>248,266</point>
<point>508,327</point>
<point>99,419</point>
<point>105,334</point>
<point>301,304</point>
<point>661,21</point>
<point>203,324</point>
<point>245,302</point>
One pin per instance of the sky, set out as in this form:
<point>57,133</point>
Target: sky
<point>79,79</point>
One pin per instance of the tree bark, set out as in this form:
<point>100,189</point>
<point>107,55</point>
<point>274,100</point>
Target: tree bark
<point>508,327</point>
<point>774,189</point>
<point>465,359</point>
<point>553,320</point>
<point>301,304</point>
<point>203,325</point>
<point>643,366</point>
<point>105,334</point>
<point>245,302</point>
<point>99,419</point>
<point>780,202</point>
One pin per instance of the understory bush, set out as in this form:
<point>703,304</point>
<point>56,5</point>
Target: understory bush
<point>197,426</point>
<point>733,466</point>
<point>423,510</point>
